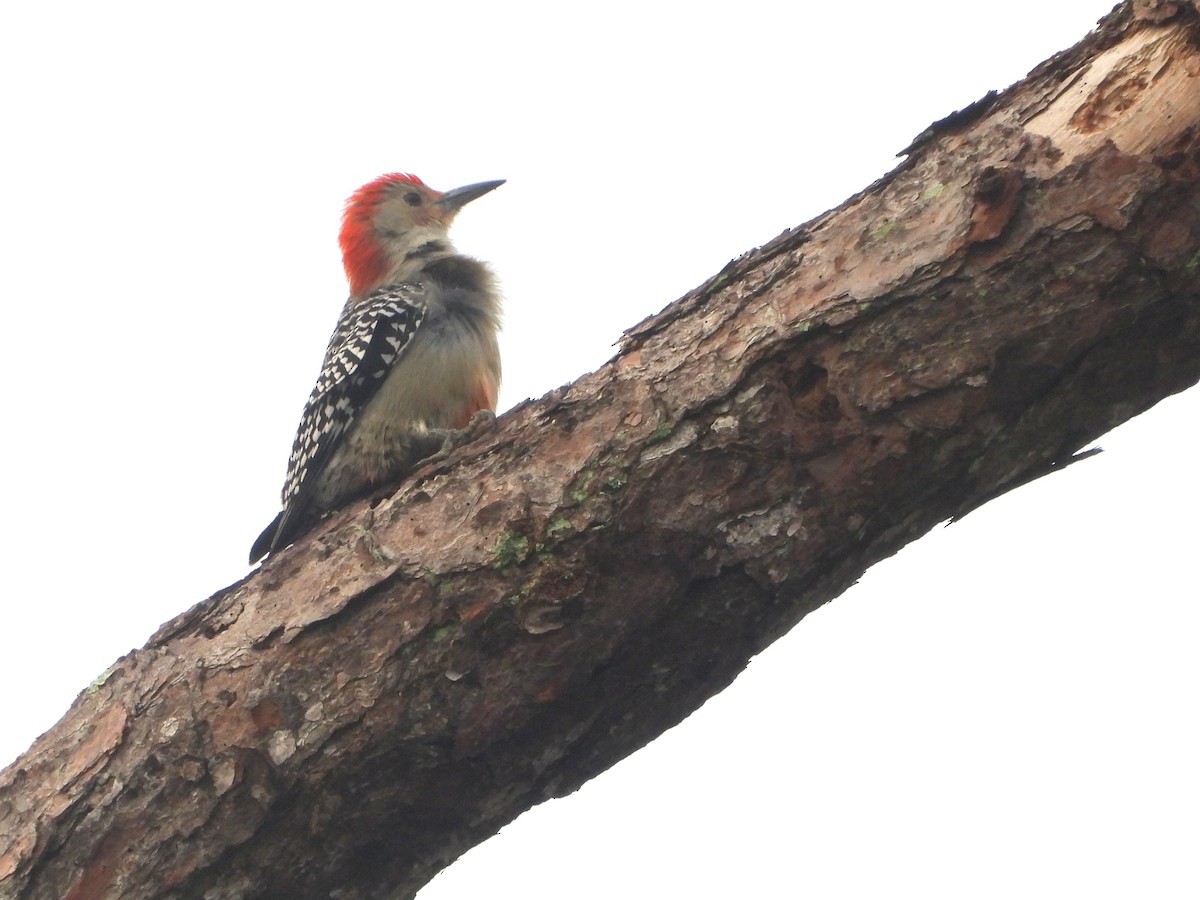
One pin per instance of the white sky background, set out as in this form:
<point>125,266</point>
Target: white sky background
<point>1006,708</point>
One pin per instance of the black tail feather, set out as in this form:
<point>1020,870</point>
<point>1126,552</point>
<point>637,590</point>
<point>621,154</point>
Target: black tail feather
<point>267,540</point>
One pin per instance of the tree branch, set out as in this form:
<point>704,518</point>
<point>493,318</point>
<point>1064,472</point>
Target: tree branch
<point>515,619</point>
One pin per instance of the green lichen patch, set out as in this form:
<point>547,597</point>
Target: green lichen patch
<point>510,548</point>
<point>659,434</point>
<point>558,525</point>
<point>881,231</point>
<point>616,481</point>
<point>100,680</point>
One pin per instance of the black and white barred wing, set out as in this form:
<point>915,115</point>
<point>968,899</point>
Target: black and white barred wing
<point>365,345</point>
<point>369,338</point>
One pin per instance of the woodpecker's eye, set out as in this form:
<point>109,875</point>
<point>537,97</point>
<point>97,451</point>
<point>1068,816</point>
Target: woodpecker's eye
<point>412,198</point>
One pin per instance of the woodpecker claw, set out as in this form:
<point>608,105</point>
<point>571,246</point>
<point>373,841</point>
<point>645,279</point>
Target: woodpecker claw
<point>453,438</point>
<point>481,421</point>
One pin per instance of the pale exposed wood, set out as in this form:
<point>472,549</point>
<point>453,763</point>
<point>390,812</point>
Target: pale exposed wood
<point>1134,95</point>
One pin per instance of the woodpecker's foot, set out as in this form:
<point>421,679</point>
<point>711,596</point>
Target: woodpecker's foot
<point>453,438</point>
<point>482,421</point>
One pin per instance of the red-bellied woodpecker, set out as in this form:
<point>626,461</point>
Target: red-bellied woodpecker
<point>413,356</point>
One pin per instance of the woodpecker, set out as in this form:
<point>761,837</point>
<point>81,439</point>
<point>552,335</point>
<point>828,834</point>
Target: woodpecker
<point>413,357</point>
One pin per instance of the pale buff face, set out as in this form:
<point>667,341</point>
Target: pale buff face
<point>411,209</point>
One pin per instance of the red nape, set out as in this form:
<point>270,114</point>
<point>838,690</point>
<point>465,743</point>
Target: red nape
<point>362,257</point>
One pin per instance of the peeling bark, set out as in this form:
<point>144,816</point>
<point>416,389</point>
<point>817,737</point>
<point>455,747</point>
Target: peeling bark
<point>513,620</point>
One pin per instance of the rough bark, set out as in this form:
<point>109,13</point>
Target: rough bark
<point>512,621</point>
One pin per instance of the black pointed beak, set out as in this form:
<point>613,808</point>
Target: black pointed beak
<point>459,197</point>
